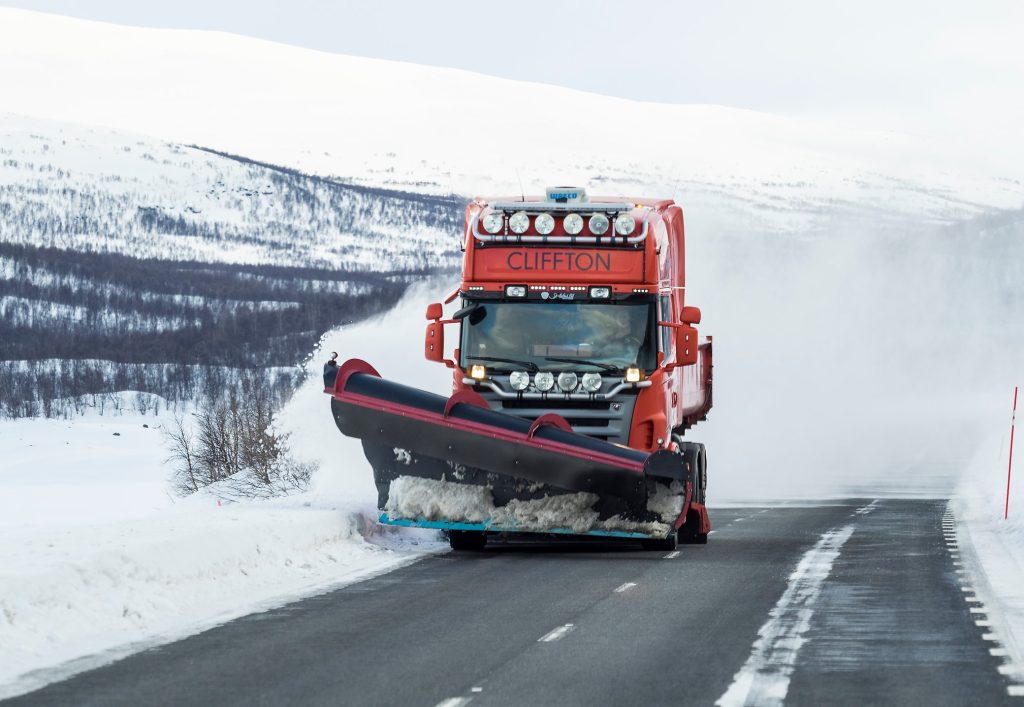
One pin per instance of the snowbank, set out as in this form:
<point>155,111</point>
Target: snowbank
<point>993,547</point>
<point>98,560</point>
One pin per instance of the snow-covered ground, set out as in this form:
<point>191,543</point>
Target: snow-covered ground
<point>97,558</point>
<point>991,545</point>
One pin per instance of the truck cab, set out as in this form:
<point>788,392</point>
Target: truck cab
<point>576,305</point>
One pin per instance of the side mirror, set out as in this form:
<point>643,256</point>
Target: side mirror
<point>435,311</point>
<point>690,315</point>
<point>686,342</point>
<point>433,346</point>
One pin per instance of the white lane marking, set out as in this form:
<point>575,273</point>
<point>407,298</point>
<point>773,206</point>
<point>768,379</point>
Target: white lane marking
<point>454,702</point>
<point>1015,690</point>
<point>966,590</point>
<point>555,634</point>
<point>990,637</point>
<point>764,678</point>
<point>476,689</point>
<point>998,652</point>
<point>672,555</point>
<point>624,587</point>
<point>983,623</point>
<point>864,510</point>
<point>977,610</point>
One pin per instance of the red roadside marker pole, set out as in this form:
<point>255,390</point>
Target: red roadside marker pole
<point>1009,466</point>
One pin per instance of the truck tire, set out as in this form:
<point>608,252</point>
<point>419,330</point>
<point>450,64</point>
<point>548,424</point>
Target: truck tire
<point>697,459</point>
<point>701,493</point>
<point>467,540</point>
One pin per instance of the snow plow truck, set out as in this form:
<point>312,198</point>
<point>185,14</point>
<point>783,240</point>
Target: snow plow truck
<point>577,369</point>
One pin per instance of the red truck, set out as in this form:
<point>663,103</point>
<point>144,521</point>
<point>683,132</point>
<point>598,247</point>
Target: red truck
<point>577,371</point>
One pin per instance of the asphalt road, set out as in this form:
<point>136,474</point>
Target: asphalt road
<point>858,603</point>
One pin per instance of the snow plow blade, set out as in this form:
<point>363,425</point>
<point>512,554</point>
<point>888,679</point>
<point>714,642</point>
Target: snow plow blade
<point>509,461</point>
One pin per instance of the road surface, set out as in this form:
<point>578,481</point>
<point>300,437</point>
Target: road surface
<point>848,603</point>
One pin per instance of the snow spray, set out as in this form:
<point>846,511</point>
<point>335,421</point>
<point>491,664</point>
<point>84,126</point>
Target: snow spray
<point>1009,466</point>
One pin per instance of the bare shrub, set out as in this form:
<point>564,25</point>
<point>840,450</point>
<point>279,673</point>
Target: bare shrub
<point>231,445</point>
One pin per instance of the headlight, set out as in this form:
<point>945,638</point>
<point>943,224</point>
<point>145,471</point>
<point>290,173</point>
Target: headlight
<point>567,381</point>
<point>477,372</point>
<point>591,382</point>
<point>600,292</point>
<point>598,224</point>
<point>544,381</point>
<point>573,224</point>
<point>624,224</point>
<point>633,375</point>
<point>494,221</point>
<point>519,222</point>
<point>519,380</point>
<point>515,291</point>
<point>544,223</point>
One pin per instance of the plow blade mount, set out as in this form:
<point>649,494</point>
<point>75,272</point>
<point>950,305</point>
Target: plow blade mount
<point>457,464</point>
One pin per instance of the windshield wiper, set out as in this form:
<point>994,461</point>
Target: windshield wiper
<point>607,367</point>
<point>528,365</point>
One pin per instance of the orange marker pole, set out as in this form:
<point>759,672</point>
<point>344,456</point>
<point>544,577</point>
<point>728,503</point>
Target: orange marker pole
<point>1009,466</point>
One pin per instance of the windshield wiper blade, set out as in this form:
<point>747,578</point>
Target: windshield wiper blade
<point>528,365</point>
<point>607,367</point>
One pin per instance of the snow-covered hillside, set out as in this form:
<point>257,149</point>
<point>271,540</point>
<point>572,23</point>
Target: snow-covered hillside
<point>120,252</point>
<point>448,131</point>
<point>98,190</point>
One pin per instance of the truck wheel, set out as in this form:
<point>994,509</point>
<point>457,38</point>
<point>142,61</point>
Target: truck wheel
<point>696,457</point>
<point>661,544</point>
<point>468,540</point>
<point>701,495</point>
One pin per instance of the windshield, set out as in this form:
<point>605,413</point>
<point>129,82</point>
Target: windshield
<point>612,336</point>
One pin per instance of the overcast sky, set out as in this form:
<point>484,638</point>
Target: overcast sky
<point>931,65</point>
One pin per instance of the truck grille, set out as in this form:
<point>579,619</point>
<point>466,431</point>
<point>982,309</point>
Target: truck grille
<point>604,420</point>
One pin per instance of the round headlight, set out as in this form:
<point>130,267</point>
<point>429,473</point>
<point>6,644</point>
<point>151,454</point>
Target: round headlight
<point>544,381</point>
<point>519,222</point>
<point>544,223</point>
<point>519,380</point>
<point>573,224</point>
<point>591,382</point>
<point>624,224</point>
<point>567,381</point>
<point>598,224</point>
<point>494,221</point>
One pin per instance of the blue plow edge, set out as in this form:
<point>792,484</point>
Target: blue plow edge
<point>488,526</point>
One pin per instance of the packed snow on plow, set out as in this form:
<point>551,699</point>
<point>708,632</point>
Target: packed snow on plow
<point>578,371</point>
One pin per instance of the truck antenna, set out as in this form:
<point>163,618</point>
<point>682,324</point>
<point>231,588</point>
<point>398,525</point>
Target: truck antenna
<point>522,192</point>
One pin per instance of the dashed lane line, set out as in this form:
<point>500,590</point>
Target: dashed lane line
<point>624,587</point>
<point>454,702</point>
<point>556,634</point>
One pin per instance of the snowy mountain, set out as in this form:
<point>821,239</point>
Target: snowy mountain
<point>128,263</point>
<point>100,191</point>
<point>444,131</point>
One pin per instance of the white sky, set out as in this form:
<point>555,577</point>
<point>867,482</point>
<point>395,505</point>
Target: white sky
<point>935,66</point>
